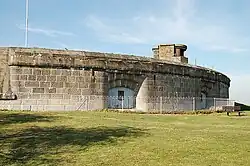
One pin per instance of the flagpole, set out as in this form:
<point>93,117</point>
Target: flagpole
<point>26,24</point>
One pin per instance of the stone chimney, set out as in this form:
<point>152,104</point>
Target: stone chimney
<point>171,52</point>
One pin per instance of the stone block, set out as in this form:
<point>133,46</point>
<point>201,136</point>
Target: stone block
<point>82,73</point>
<point>32,77</point>
<point>25,95</point>
<point>15,77</point>
<point>80,79</point>
<point>50,90</point>
<point>84,85</point>
<point>65,101</point>
<point>45,96</point>
<point>38,90</point>
<point>56,96</point>
<point>99,73</point>
<point>61,78</point>
<point>88,73</point>
<point>87,79</point>
<point>53,72</point>
<point>37,108</point>
<point>66,72</point>
<point>15,102</point>
<point>71,85</point>
<point>59,72</point>
<point>35,96</point>
<point>76,73</point>
<point>71,79</point>
<point>66,96</point>
<point>27,90</point>
<point>85,91</point>
<point>51,78</point>
<point>29,102</point>
<point>37,72</point>
<point>61,90</point>
<point>74,91</point>
<point>56,85</point>
<point>31,84</point>
<point>41,78</point>
<point>99,92</point>
<point>76,98</point>
<point>43,102</point>
<point>23,77</point>
<point>46,72</point>
<point>27,71</point>
<point>54,101</point>
<point>15,70</point>
<point>44,84</point>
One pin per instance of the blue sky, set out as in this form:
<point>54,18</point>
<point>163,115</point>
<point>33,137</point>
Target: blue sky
<point>215,31</point>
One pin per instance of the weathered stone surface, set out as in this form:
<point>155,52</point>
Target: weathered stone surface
<point>41,78</point>
<point>74,91</point>
<point>61,78</point>
<point>44,84</point>
<point>38,90</point>
<point>35,96</point>
<point>27,71</point>
<point>23,77</point>
<point>32,77</point>
<point>51,78</point>
<point>58,75</point>
<point>45,72</point>
<point>50,90</point>
<point>31,84</point>
<point>57,96</point>
<point>57,84</point>
<point>37,72</point>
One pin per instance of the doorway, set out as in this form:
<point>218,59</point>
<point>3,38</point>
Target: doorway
<point>121,97</point>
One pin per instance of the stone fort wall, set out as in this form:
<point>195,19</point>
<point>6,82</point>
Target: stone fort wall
<point>49,79</point>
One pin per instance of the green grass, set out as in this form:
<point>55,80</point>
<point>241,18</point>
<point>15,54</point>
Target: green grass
<point>116,139</point>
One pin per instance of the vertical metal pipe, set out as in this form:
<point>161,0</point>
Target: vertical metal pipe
<point>26,24</point>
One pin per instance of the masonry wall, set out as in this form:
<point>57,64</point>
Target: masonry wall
<point>72,89</point>
<point>44,79</point>
<point>55,89</point>
<point>161,88</point>
<point>4,71</point>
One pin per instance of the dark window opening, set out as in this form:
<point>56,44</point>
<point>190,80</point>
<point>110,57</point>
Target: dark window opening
<point>120,95</point>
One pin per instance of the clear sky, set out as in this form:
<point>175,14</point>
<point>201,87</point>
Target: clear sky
<point>216,31</point>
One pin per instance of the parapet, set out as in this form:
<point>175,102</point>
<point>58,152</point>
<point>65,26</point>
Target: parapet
<point>171,52</point>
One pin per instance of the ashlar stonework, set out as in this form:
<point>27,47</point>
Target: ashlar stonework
<point>50,79</point>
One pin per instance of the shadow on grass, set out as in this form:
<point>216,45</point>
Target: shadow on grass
<point>15,118</point>
<point>236,115</point>
<point>32,144</point>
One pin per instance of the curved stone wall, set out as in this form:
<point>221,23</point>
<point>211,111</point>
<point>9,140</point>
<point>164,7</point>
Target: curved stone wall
<point>54,76</point>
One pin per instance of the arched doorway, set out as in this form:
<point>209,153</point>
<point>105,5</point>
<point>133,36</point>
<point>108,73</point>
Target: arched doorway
<point>121,97</point>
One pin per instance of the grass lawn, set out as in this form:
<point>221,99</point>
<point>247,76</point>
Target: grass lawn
<point>116,139</point>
